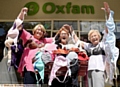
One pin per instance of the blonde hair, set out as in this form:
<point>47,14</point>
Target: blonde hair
<point>42,28</point>
<point>92,31</point>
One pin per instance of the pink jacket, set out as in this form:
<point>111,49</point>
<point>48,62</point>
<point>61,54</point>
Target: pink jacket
<point>29,54</point>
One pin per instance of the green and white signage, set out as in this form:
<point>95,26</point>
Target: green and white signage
<point>68,8</point>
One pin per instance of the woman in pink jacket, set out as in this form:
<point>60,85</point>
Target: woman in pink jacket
<point>26,67</point>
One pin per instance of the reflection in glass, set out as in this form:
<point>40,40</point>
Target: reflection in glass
<point>31,25</point>
<point>101,26</point>
<point>59,24</point>
<point>2,31</point>
<point>4,26</point>
<point>48,34</point>
<point>118,26</point>
<point>85,26</point>
<point>94,25</point>
<point>53,34</point>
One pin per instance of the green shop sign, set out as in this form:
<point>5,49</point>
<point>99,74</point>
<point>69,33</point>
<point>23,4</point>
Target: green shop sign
<point>68,8</point>
<point>50,8</point>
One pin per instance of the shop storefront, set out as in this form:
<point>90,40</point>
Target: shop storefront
<point>82,15</point>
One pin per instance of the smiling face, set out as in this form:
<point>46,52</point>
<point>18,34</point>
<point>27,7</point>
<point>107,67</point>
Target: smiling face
<point>39,31</point>
<point>94,37</point>
<point>64,36</point>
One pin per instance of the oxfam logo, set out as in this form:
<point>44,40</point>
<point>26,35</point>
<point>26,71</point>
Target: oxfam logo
<point>33,8</point>
<point>68,8</point>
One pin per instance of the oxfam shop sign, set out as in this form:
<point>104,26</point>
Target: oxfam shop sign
<point>68,8</point>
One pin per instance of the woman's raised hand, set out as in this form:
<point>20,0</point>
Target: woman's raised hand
<point>25,10</point>
<point>106,9</point>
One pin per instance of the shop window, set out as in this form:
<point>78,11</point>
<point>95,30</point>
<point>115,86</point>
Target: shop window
<point>31,25</point>
<point>48,34</point>
<point>94,25</point>
<point>101,25</point>
<point>118,26</point>
<point>84,26</point>
<point>58,24</point>
<point>3,30</point>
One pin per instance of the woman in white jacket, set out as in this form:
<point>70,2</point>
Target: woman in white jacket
<point>98,52</point>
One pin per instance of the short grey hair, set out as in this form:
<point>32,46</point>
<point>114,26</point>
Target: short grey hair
<point>92,31</point>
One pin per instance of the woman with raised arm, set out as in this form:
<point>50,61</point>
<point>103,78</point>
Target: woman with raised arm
<point>98,52</point>
<point>66,56</point>
<point>32,43</point>
<point>9,76</point>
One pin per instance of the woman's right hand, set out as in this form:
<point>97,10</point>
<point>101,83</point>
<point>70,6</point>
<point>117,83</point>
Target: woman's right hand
<point>22,13</point>
<point>25,10</point>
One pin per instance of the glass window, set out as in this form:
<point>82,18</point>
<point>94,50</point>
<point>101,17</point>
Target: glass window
<point>31,25</point>
<point>94,25</point>
<point>2,31</point>
<point>4,27</point>
<point>117,34</point>
<point>53,34</point>
<point>59,24</point>
<point>101,25</point>
<point>85,26</point>
<point>48,34</point>
<point>118,26</point>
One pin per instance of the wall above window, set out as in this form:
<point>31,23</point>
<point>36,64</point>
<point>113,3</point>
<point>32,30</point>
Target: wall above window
<point>84,10</point>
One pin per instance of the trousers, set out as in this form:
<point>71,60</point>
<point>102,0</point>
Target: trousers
<point>96,78</point>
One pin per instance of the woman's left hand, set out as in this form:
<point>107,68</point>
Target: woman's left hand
<point>106,9</point>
